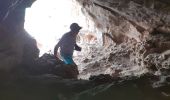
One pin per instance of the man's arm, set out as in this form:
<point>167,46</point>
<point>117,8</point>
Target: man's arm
<point>56,48</point>
<point>77,48</point>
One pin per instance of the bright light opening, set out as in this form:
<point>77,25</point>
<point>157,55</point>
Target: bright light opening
<point>48,20</point>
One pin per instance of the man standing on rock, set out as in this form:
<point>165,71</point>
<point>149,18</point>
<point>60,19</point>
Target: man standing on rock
<point>68,44</point>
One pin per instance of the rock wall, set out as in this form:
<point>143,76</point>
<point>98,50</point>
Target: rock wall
<point>143,24</point>
<point>118,20</point>
<point>141,30</point>
<point>128,18</point>
<point>16,44</point>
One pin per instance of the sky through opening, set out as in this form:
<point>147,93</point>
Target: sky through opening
<point>48,20</point>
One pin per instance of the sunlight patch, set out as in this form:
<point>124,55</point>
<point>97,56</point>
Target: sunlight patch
<point>48,20</point>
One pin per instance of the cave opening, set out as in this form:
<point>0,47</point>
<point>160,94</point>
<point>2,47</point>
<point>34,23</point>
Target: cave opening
<point>132,62</point>
<point>47,21</point>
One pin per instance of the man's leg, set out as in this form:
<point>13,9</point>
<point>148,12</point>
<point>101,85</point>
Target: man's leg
<point>67,59</point>
<point>72,70</point>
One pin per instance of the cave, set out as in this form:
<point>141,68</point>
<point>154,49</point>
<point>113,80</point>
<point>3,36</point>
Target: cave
<point>55,21</point>
<point>125,50</point>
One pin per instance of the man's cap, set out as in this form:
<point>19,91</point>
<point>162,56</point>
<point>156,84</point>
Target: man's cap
<point>75,26</point>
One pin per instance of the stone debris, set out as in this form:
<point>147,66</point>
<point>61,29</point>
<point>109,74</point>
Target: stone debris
<point>48,64</point>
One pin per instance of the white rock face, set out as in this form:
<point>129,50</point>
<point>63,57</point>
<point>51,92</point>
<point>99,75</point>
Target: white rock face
<point>122,18</point>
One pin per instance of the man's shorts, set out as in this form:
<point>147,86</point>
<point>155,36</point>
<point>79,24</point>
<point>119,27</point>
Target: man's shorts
<point>67,59</point>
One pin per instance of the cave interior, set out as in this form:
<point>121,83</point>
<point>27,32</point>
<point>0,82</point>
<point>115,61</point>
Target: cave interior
<point>125,50</point>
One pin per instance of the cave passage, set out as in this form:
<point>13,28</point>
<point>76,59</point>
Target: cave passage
<point>48,20</point>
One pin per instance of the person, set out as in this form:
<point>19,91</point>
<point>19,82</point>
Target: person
<point>67,44</point>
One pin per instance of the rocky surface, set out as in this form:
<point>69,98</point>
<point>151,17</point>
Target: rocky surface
<point>131,57</point>
<point>15,41</point>
<point>102,87</point>
<point>127,18</point>
<point>133,64</point>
